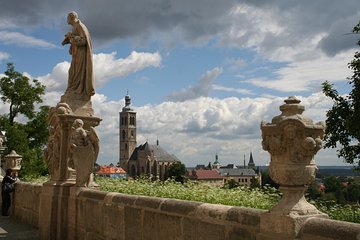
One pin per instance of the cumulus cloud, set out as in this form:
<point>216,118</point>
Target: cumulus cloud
<point>307,75</point>
<point>195,130</point>
<point>21,39</point>
<point>201,89</point>
<point>106,67</point>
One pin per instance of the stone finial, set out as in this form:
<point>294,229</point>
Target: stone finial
<point>13,162</point>
<point>292,141</point>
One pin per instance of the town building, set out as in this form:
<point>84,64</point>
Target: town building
<point>209,176</point>
<point>243,175</point>
<point>111,172</point>
<point>145,159</point>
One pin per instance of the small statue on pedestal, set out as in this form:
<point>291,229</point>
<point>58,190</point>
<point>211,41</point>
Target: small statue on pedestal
<point>84,150</point>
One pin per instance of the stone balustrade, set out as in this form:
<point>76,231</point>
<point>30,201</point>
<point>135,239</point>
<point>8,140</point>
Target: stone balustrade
<point>93,214</point>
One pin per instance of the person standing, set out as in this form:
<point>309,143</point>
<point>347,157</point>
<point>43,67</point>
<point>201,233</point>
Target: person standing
<point>7,187</point>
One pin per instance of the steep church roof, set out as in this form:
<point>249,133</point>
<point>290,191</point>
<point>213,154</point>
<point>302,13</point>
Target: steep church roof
<point>159,153</point>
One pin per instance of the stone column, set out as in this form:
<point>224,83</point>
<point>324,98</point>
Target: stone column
<point>292,141</point>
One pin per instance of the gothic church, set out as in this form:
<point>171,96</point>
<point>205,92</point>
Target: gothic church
<point>146,159</point>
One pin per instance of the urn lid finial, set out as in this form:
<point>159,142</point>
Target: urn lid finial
<point>292,100</point>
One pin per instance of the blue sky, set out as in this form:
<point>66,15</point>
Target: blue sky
<point>202,74</point>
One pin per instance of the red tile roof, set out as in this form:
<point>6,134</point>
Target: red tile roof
<point>203,174</point>
<point>110,170</point>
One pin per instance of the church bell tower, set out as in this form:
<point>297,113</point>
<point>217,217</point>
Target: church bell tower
<point>127,133</point>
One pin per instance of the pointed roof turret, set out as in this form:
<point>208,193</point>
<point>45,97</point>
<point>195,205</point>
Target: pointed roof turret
<point>251,163</point>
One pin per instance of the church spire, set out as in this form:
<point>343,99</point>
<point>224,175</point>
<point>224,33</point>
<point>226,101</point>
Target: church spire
<point>251,163</point>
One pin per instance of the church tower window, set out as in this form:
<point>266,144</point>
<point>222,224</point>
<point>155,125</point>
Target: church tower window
<point>123,134</point>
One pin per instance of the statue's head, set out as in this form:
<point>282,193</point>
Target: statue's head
<point>78,123</point>
<point>72,17</point>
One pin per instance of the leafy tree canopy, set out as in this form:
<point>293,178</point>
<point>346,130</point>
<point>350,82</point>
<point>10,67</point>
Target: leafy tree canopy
<point>19,93</point>
<point>177,171</point>
<point>27,139</point>
<point>344,117</point>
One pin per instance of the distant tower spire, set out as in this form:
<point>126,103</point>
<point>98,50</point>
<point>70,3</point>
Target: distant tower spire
<point>244,161</point>
<point>216,164</point>
<point>127,106</point>
<point>251,163</point>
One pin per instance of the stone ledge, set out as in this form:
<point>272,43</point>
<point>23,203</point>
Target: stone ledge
<point>245,216</point>
<point>124,199</point>
<point>148,202</point>
<point>173,206</point>
<point>326,229</point>
<point>93,194</point>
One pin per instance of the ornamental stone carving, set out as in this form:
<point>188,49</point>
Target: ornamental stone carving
<point>292,141</point>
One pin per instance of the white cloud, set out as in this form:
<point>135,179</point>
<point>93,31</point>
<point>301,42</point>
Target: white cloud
<point>307,75</point>
<point>195,130</point>
<point>107,67</point>
<point>23,40</point>
<point>229,89</point>
<point>201,89</point>
<point>4,56</point>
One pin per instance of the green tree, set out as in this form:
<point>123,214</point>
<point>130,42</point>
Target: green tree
<point>313,191</point>
<point>231,184</point>
<point>177,171</point>
<point>343,118</point>
<point>353,192</point>
<point>27,139</point>
<point>333,184</point>
<point>254,183</point>
<point>19,93</point>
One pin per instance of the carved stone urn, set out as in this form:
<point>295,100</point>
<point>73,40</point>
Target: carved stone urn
<point>13,162</point>
<point>292,141</point>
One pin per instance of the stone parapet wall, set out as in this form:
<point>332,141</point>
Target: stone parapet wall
<point>326,229</point>
<point>139,217</point>
<point>92,214</point>
<point>26,202</point>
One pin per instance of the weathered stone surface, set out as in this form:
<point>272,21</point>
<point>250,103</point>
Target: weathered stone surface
<point>239,233</point>
<point>194,229</point>
<point>148,202</point>
<point>92,194</point>
<point>124,199</point>
<point>114,222</point>
<point>161,226</point>
<point>245,216</point>
<point>325,229</point>
<point>133,224</point>
<point>172,206</point>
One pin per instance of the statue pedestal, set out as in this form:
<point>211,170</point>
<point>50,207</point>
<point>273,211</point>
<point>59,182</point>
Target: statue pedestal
<point>58,197</point>
<point>80,105</point>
